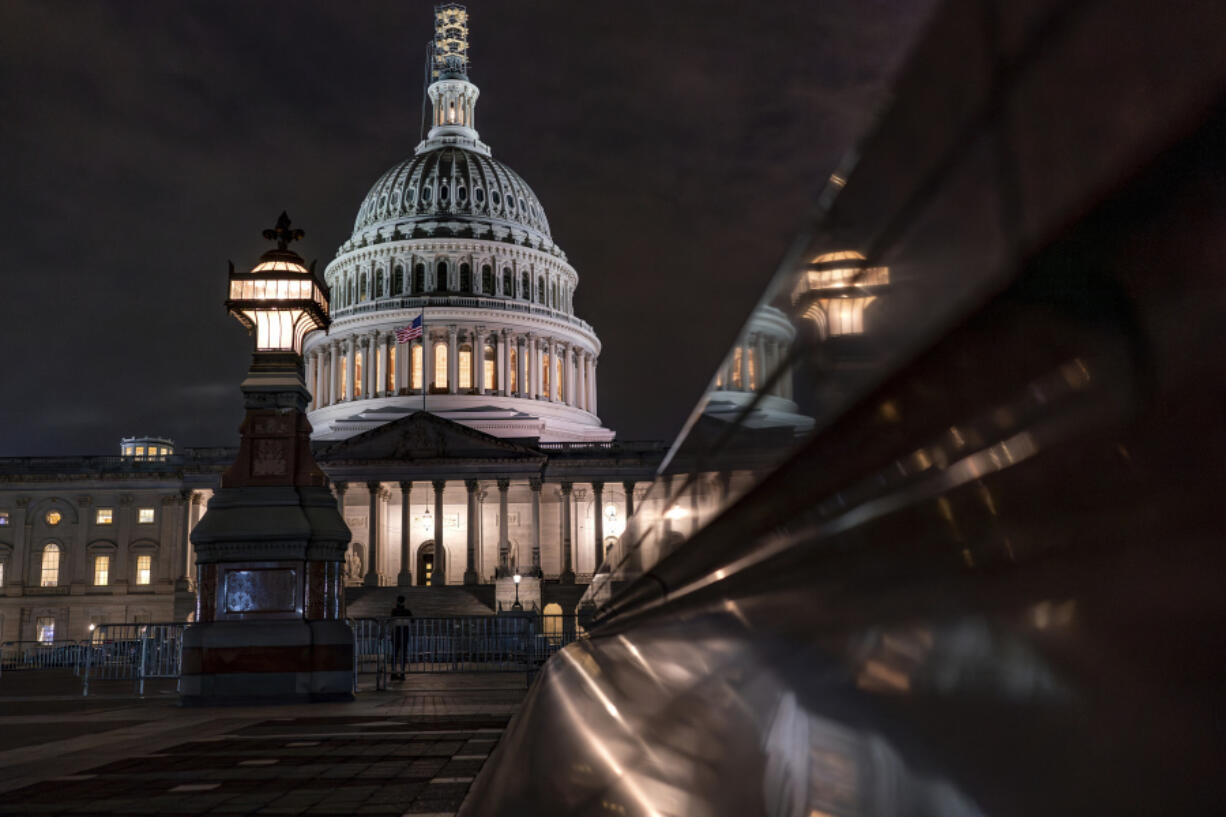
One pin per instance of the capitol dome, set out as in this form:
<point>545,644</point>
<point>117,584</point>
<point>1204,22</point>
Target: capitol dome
<point>451,296</point>
<point>462,190</point>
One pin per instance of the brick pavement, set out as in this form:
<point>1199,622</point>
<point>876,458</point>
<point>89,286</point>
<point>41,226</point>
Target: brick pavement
<point>413,749</point>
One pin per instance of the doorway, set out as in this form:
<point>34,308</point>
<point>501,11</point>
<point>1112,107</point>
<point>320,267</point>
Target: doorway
<point>431,565</point>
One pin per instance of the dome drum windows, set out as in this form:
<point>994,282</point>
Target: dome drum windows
<point>466,278</point>
<point>487,279</point>
<point>525,287</point>
<point>540,289</point>
<point>440,277</point>
<point>508,286</point>
<point>419,279</point>
<point>379,291</point>
<point>398,280</point>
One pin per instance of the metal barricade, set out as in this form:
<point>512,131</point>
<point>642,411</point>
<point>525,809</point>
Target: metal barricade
<point>369,655</point>
<point>135,652</point>
<point>38,655</point>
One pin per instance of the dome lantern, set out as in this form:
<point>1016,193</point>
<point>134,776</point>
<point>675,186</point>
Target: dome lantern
<point>454,98</point>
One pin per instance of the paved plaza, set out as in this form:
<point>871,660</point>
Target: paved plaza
<point>413,749</point>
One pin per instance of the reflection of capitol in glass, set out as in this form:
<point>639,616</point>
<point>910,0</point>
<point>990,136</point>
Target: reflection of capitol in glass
<point>835,290</point>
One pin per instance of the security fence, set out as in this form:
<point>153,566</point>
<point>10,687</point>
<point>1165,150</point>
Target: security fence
<point>387,647</point>
<point>133,652</point>
<point>35,655</point>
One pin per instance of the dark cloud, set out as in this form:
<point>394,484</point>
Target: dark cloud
<point>675,146</point>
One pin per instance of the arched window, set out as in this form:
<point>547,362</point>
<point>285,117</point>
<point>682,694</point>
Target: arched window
<point>379,292</point>
<point>490,363</point>
<point>440,277</point>
<point>508,288</point>
<point>391,372</point>
<point>464,375</point>
<point>417,366</point>
<point>525,287</point>
<point>487,280</point>
<point>363,292</point>
<point>545,374</point>
<point>440,365</point>
<point>51,566</point>
<point>466,278</point>
<point>419,278</point>
<point>540,289</point>
<point>398,281</point>
<point>514,384</point>
<point>357,374</point>
<point>557,380</point>
<point>553,295</point>
<point>352,292</point>
<point>344,377</point>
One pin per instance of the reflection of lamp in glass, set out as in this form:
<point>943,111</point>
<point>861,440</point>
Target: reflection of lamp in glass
<point>676,512</point>
<point>517,605</point>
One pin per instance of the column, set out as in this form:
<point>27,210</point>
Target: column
<point>470,573</point>
<point>571,359</point>
<point>352,352</point>
<point>339,489</point>
<point>504,543</point>
<point>593,387</point>
<point>535,485</point>
<point>440,558</point>
<point>334,385</point>
<point>453,367</point>
<point>587,381</point>
<point>598,552</point>
<point>504,363</point>
<point>312,369</point>
<point>552,375</point>
<point>745,366</point>
<point>369,367</point>
<point>521,366</point>
<point>405,577</point>
<point>372,526</point>
<point>402,366</point>
<point>379,358</point>
<point>568,572</point>
<point>479,359</point>
<point>628,487</point>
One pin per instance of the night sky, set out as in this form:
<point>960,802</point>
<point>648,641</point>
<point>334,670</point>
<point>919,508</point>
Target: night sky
<point>676,148</point>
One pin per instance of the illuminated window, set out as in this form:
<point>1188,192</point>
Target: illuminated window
<point>53,518</point>
<point>4,519</point>
<point>391,372</point>
<point>753,369</point>
<point>144,516</point>
<point>44,628</point>
<point>545,374</point>
<point>491,367</point>
<point>51,566</point>
<point>357,374</point>
<point>140,451</point>
<point>557,380</point>
<point>144,568</point>
<point>736,368</point>
<point>440,365</point>
<point>102,571</point>
<point>344,378</point>
<point>514,384</point>
<point>465,360</point>
<point>104,516</point>
<point>417,364</point>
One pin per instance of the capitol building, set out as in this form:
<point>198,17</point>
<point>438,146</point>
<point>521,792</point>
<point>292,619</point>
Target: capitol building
<point>454,410</point>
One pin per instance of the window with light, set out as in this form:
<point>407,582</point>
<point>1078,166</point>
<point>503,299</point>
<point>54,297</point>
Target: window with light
<point>736,368</point>
<point>465,372</point>
<point>50,566</point>
<point>391,372</point>
<point>514,384</point>
<point>417,366</point>
<point>102,571</point>
<point>545,373</point>
<point>344,378</point>
<point>4,519</point>
<point>491,367</point>
<point>557,380</point>
<point>104,516</point>
<point>44,629</point>
<point>440,365</point>
<point>357,374</point>
<point>144,516</point>
<point>144,568</point>
<point>3,567</point>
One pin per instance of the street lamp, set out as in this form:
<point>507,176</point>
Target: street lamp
<point>517,605</point>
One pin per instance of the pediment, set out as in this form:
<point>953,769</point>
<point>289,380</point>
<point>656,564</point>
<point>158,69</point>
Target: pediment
<point>424,436</point>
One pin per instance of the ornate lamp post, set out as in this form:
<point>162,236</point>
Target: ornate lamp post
<point>517,605</point>
<point>270,548</point>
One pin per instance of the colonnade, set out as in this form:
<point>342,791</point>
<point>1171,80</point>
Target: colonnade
<point>753,361</point>
<point>382,552</point>
<point>453,360</point>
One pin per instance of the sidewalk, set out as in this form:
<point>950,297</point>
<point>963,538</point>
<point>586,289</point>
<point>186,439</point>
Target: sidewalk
<point>413,749</point>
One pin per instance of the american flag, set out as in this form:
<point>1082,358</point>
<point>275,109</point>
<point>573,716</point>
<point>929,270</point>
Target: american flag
<point>409,332</point>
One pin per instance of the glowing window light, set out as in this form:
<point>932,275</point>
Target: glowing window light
<point>102,571</point>
<point>417,366</point>
<point>50,566</point>
<point>490,362</point>
<point>144,568</point>
<point>465,373</point>
<point>839,316</point>
<point>440,365</point>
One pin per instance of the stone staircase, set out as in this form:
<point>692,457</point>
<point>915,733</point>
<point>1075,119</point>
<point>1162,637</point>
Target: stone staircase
<point>375,602</point>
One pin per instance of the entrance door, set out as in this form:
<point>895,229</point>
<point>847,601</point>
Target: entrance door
<point>431,566</point>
